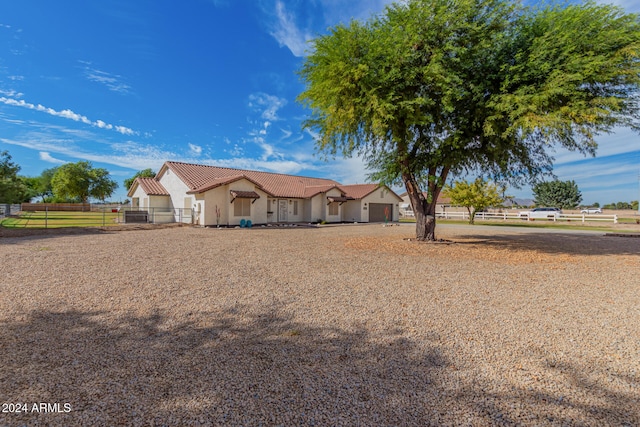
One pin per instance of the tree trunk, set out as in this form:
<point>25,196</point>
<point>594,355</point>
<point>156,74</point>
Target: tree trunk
<point>472,215</point>
<point>425,226</point>
<point>423,211</point>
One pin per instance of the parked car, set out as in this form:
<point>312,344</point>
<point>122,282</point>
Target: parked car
<point>591,211</point>
<point>541,213</point>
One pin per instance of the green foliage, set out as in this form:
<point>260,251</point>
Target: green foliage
<point>622,205</point>
<point>433,87</point>
<point>40,186</point>
<point>145,173</point>
<point>81,181</point>
<point>557,194</point>
<point>13,188</point>
<point>475,196</point>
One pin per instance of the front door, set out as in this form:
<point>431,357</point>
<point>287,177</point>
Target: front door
<point>283,211</point>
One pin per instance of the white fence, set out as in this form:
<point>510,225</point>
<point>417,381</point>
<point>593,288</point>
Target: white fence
<point>515,215</point>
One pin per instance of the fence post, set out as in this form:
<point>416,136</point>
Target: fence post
<point>615,219</point>
<point>103,216</point>
<point>46,217</point>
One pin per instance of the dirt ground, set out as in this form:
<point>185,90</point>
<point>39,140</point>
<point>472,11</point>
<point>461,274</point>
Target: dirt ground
<point>334,325</point>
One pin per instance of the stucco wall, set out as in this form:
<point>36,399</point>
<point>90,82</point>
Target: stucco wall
<point>334,192</point>
<point>352,211</point>
<point>221,197</point>
<point>176,188</point>
<point>381,195</point>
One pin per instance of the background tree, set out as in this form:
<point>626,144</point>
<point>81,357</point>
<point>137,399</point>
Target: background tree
<point>557,194</point>
<point>12,188</point>
<point>40,186</point>
<point>475,196</point>
<point>145,173</point>
<point>102,186</point>
<point>81,181</point>
<point>434,87</point>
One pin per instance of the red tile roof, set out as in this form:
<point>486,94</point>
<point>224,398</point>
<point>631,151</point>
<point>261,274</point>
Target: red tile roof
<point>151,187</point>
<point>358,191</point>
<point>312,190</point>
<point>217,182</point>
<point>201,178</point>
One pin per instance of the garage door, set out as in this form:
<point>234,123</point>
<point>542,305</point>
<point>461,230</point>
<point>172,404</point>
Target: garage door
<point>377,212</point>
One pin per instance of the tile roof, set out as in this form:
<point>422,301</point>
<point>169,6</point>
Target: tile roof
<point>358,191</point>
<point>200,178</point>
<point>312,190</point>
<point>217,182</point>
<point>244,194</point>
<point>151,187</point>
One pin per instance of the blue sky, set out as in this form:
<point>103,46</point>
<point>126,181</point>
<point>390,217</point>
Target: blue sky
<point>128,85</point>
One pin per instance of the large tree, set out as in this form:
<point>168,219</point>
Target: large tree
<point>434,87</point>
<point>80,181</point>
<point>12,187</point>
<point>557,194</point>
<point>40,186</point>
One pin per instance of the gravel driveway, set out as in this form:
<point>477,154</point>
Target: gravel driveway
<point>349,325</point>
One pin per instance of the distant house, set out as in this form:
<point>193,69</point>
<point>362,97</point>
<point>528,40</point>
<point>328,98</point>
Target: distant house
<point>406,210</point>
<point>215,195</point>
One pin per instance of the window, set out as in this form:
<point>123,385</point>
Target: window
<point>333,208</point>
<point>295,207</point>
<point>242,207</point>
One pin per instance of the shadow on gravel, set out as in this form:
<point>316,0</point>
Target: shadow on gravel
<point>559,243</point>
<point>47,233</point>
<point>261,369</point>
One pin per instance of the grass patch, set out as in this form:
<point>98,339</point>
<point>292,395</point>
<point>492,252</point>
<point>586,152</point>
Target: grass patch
<point>53,219</point>
<point>561,225</point>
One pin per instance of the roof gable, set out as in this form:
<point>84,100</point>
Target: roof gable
<point>150,186</point>
<point>217,182</point>
<point>360,191</point>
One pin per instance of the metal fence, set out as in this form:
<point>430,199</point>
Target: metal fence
<point>60,216</point>
<point>8,209</point>
<point>157,215</point>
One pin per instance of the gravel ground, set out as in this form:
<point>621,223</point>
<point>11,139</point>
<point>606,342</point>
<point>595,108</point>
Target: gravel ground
<point>349,325</point>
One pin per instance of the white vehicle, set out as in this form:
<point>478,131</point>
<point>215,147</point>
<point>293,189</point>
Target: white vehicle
<point>591,211</point>
<point>541,213</point>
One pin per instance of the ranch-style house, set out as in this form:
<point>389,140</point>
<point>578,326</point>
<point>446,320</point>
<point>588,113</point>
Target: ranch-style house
<point>228,197</point>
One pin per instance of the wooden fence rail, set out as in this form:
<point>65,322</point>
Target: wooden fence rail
<point>59,207</point>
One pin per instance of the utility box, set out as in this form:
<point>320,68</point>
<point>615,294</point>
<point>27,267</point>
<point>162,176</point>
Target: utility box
<point>134,217</point>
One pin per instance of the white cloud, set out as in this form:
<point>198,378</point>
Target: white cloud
<point>287,33</point>
<point>45,156</point>
<point>66,114</point>
<point>267,105</point>
<point>195,150</point>
<point>11,93</point>
<point>112,81</point>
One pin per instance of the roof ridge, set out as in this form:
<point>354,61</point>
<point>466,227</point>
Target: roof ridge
<point>252,171</point>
